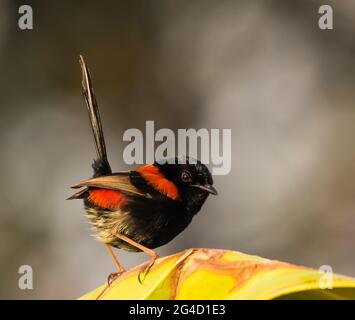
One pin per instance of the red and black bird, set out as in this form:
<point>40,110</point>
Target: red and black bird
<point>144,208</point>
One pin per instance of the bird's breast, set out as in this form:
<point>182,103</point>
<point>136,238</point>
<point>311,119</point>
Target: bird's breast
<point>150,223</point>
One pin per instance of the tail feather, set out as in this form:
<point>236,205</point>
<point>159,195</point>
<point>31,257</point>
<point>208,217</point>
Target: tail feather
<point>101,165</point>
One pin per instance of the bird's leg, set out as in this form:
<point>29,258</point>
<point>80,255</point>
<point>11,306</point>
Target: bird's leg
<point>114,275</point>
<point>153,255</point>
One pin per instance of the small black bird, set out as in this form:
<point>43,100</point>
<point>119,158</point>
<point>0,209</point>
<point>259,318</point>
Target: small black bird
<point>144,208</point>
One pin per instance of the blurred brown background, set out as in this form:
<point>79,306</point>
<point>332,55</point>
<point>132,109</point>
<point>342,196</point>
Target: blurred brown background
<point>262,68</point>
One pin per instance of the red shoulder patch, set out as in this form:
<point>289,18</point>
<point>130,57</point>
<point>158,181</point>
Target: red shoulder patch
<point>106,198</point>
<point>157,180</point>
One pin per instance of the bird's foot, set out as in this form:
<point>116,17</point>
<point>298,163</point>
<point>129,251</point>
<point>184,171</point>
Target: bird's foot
<point>112,277</point>
<point>146,268</point>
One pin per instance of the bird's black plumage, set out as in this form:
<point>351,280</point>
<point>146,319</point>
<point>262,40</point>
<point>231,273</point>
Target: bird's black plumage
<point>153,219</point>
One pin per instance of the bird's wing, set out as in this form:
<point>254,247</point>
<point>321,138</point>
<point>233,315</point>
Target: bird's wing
<point>118,181</point>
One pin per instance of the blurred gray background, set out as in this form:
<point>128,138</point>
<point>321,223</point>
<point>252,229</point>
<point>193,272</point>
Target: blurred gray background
<point>262,68</point>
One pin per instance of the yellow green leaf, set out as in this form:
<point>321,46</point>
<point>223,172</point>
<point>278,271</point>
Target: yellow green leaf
<point>223,274</point>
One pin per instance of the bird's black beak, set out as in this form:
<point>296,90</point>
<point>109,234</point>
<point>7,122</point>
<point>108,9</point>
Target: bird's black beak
<point>207,187</point>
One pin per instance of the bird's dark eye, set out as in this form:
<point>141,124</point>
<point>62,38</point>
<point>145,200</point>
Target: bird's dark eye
<point>185,176</point>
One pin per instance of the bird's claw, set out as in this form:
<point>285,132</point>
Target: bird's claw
<point>112,277</point>
<point>146,268</point>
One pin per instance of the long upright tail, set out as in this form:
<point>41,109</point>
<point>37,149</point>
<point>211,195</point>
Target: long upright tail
<point>101,165</point>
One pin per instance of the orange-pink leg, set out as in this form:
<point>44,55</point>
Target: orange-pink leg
<point>113,275</point>
<point>153,255</point>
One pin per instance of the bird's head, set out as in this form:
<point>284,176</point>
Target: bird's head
<point>191,177</point>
